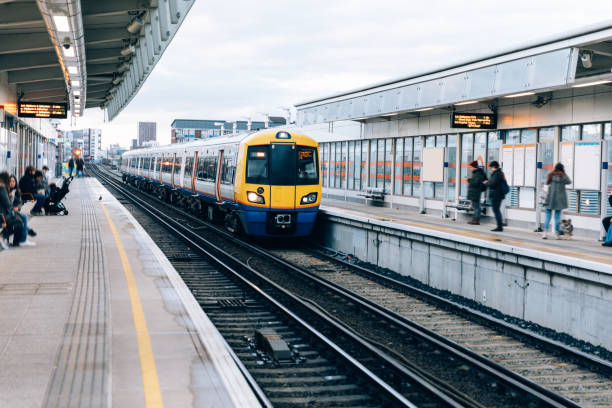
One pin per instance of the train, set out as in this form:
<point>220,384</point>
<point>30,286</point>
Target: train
<point>262,184</point>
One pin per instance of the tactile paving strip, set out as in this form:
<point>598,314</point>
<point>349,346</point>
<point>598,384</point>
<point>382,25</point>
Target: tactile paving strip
<point>82,374</point>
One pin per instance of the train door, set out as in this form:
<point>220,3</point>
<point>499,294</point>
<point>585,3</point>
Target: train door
<point>172,170</point>
<point>218,177</point>
<point>194,169</point>
<point>282,176</point>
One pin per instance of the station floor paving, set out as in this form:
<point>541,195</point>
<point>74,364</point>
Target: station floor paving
<point>576,247</point>
<point>96,316</point>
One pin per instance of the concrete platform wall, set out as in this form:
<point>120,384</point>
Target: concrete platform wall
<point>562,293</point>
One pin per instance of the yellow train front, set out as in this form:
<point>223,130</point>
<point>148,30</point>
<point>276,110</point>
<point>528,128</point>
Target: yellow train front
<point>277,184</point>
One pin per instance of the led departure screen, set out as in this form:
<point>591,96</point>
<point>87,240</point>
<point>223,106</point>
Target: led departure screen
<point>42,110</point>
<point>474,120</point>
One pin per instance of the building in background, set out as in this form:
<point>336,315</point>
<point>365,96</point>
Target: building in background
<point>147,132</point>
<point>184,130</point>
<point>89,141</point>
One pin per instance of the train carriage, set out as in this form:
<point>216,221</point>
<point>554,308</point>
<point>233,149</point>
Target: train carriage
<point>265,183</point>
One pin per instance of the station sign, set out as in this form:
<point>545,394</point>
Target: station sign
<point>42,110</point>
<point>474,120</point>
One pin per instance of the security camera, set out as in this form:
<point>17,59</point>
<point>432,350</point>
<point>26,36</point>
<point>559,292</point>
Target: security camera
<point>66,43</point>
<point>587,59</point>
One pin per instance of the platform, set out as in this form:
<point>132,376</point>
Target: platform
<point>96,316</point>
<point>564,285</point>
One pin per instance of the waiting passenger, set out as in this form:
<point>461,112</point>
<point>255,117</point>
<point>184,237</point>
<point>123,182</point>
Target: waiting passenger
<point>80,164</point>
<point>15,199</point>
<point>556,199</point>
<point>11,223</point>
<point>70,166</point>
<point>606,224</point>
<point>28,187</point>
<point>498,188</point>
<point>475,189</point>
<point>45,180</point>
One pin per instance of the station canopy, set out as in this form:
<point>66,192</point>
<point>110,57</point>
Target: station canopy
<point>86,53</point>
<point>579,58</point>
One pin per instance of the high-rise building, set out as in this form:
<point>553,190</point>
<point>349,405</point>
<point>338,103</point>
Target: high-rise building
<point>147,132</point>
<point>89,141</point>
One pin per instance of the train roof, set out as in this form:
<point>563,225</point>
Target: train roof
<point>264,135</point>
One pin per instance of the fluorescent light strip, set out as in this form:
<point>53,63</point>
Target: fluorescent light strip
<point>390,114</point>
<point>423,110</point>
<point>519,94</point>
<point>72,69</point>
<point>69,52</point>
<point>76,83</point>
<point>466,103</point>
<point>592,83</point>
<point>61,23</point>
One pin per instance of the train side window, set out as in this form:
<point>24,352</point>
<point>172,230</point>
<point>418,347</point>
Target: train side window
<point>307,166</point>
<point>229,168</point>
<point>257,165</point>
<point>188,166</point>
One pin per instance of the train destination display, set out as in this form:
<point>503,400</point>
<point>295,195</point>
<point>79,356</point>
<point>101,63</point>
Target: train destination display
<point>42,110</point>
<point>473,120</point>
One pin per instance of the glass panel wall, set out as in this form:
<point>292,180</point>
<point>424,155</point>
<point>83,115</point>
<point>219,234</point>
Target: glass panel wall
<point>547,151</point>
<point>364,164</point>
<point>332,164</point>
<point>569,133</point>
<point>388,164</point>
<point>373,160</point>
<point>608,137</point>
<point>324,147</point>
<point>350,171</point>
<point>428,186</point>
<point>343,165</point>
<point>408,165</point>
<point>416,166</point>
<point>467,156</point>
<point>399,166</point>
<point>452,165</point>
<point>439,187</point>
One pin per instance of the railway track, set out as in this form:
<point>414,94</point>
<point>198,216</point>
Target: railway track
<point>463,374</point>
<point>312,370</point>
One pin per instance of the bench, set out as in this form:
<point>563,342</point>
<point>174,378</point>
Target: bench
<point>466,205</point>
<point>373,193</point>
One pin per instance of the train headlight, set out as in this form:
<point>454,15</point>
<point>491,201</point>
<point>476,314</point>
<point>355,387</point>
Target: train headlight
<point>309,198</point>
<point>253,197</point>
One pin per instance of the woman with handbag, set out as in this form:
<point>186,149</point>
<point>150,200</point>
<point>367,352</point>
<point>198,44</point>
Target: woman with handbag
<point>498,188</point>
<point>556,199</point>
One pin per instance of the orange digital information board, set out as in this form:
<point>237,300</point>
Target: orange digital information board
<point>474,120</point>
<point>42,110</point>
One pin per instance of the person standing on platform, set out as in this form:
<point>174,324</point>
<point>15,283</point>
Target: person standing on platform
<point>498,188</point>
<point>80,163</point>
<point>556,199</point>
<point>45,180</point>
<point>70,166</point>
<point>475,189</point>
<point>606,224</point>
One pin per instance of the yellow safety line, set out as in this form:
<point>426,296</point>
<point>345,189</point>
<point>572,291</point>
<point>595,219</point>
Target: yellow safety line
<point>494,238</point>
<point>150,381</point>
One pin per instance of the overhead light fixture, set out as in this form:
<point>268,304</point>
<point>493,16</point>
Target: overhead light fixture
<point>135,26</point>
<point>61,23</point>
<point>76,83</point>
<point>123,67</point>
<point>76,92</point>
<point>130,49</point>
<point>587,59</point>
<point>466,103</point>
<point>519,94</point>
<point>72,69</point>
<point>69,52</point>
<point>423,110</point>
<point>592,83</point>
<point>117,80</point>
<point>390,114</point>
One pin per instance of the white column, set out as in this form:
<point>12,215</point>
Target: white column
<point>604,185</point>
<point>538,189</point>
<point>422,192</point>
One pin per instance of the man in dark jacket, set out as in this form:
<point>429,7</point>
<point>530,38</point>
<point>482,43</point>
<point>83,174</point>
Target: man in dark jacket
<point>70,166</point>
<point>80,163</point>
<point>475,188</point>
<point>497,184</point>
<point>32,188</point>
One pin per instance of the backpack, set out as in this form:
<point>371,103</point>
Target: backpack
<point>505,187</point>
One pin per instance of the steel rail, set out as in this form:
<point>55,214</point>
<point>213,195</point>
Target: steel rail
<point>197,242</point>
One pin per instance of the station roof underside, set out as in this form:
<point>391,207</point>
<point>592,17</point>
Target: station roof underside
<point>117,60</point>
<point>580,57</point>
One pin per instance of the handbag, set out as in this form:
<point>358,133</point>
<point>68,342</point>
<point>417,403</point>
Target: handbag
<point>505,186</point>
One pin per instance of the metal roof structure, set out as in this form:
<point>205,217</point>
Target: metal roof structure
<point>87,53</point>
<point>581,57</point>
<point>216,124</point>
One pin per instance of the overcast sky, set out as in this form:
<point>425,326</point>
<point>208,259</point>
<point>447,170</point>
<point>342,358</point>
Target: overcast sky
<point>233,59</point>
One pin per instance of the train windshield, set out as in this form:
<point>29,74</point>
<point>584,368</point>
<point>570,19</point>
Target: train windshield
<point>282,165</point>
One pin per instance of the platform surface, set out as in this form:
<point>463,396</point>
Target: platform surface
<point>578,248</point>
<point>96,316</point>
